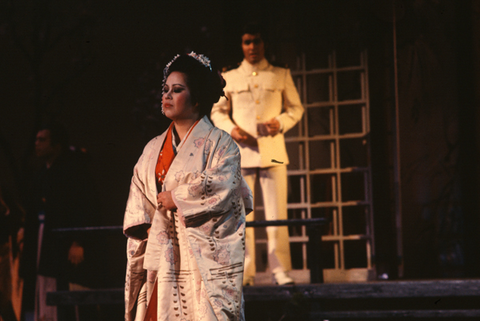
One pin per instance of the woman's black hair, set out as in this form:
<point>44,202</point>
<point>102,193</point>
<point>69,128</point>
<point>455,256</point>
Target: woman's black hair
<point>206,85</point>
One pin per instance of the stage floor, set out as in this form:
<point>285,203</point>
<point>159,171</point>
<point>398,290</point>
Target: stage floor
<point>457,299</point>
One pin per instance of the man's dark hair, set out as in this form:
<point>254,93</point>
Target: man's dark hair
<point>254,28</point>
<point>58,133</point>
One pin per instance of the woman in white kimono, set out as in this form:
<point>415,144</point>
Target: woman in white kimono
<point>185,215</point>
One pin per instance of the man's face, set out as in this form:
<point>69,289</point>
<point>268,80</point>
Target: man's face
<point>43,144</point>
<point>253,48</point>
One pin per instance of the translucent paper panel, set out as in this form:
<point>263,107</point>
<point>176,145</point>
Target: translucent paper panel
<point>353,186</point>
<point>355,254</point>
<point>296,230</point>
<point>296,155</point>
<point>327,213</point>
<point>296,187</point>
<point>296,254</point>
<point>354,220</point>
<point>322,153</point>
<point>350,119</point>
<point>294,131</point>
<point>349,85</point>
<point>320,121</point>
<point>326,252</point>
<point>353,153</point>
<point>322,188</point>
<point>318,88</point>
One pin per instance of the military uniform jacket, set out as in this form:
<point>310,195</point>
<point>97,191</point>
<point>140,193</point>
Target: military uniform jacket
<point>254,95</point>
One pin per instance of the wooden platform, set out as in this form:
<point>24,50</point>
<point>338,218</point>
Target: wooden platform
<point>432,299</point>
<point>372,290</point>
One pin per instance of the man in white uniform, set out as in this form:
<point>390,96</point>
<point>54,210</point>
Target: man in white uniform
<point>261,104</point>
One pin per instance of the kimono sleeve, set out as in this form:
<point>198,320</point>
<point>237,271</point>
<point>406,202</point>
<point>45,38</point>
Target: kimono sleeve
<point>139,210</point>
<point>217,190</point>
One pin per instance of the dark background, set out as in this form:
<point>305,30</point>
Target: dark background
<point>96,66</point>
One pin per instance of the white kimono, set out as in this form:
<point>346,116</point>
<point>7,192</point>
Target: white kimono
<point>195,253</point>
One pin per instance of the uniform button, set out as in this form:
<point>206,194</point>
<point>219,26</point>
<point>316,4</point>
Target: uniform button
<point>257,101</point>
<point>254,73</point>
<point>258,117</point>
<point>256,86</point>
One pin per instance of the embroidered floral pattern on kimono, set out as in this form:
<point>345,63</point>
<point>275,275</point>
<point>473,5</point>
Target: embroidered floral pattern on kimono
<point>195,254</point>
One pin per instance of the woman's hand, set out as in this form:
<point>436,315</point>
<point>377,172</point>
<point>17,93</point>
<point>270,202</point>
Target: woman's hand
<point>165,200</point>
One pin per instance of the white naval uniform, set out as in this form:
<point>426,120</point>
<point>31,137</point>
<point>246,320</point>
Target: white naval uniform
<point>256,94</point>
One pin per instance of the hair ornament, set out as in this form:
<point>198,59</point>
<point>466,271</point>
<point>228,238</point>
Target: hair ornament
<point>202,59</point>
<point>198,57</point>
<point>167,67</point>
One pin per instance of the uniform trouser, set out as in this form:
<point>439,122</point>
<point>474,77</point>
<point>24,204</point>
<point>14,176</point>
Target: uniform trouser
<point>273,183</point>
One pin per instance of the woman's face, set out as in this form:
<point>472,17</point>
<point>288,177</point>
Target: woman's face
<point>176,100</point>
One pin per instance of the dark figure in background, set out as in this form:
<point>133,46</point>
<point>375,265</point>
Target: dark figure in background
<point>11,238</point>
<point>60,195</point>
<point>260,105</point>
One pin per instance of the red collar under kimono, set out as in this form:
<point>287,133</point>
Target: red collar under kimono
<point>166,156</point>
